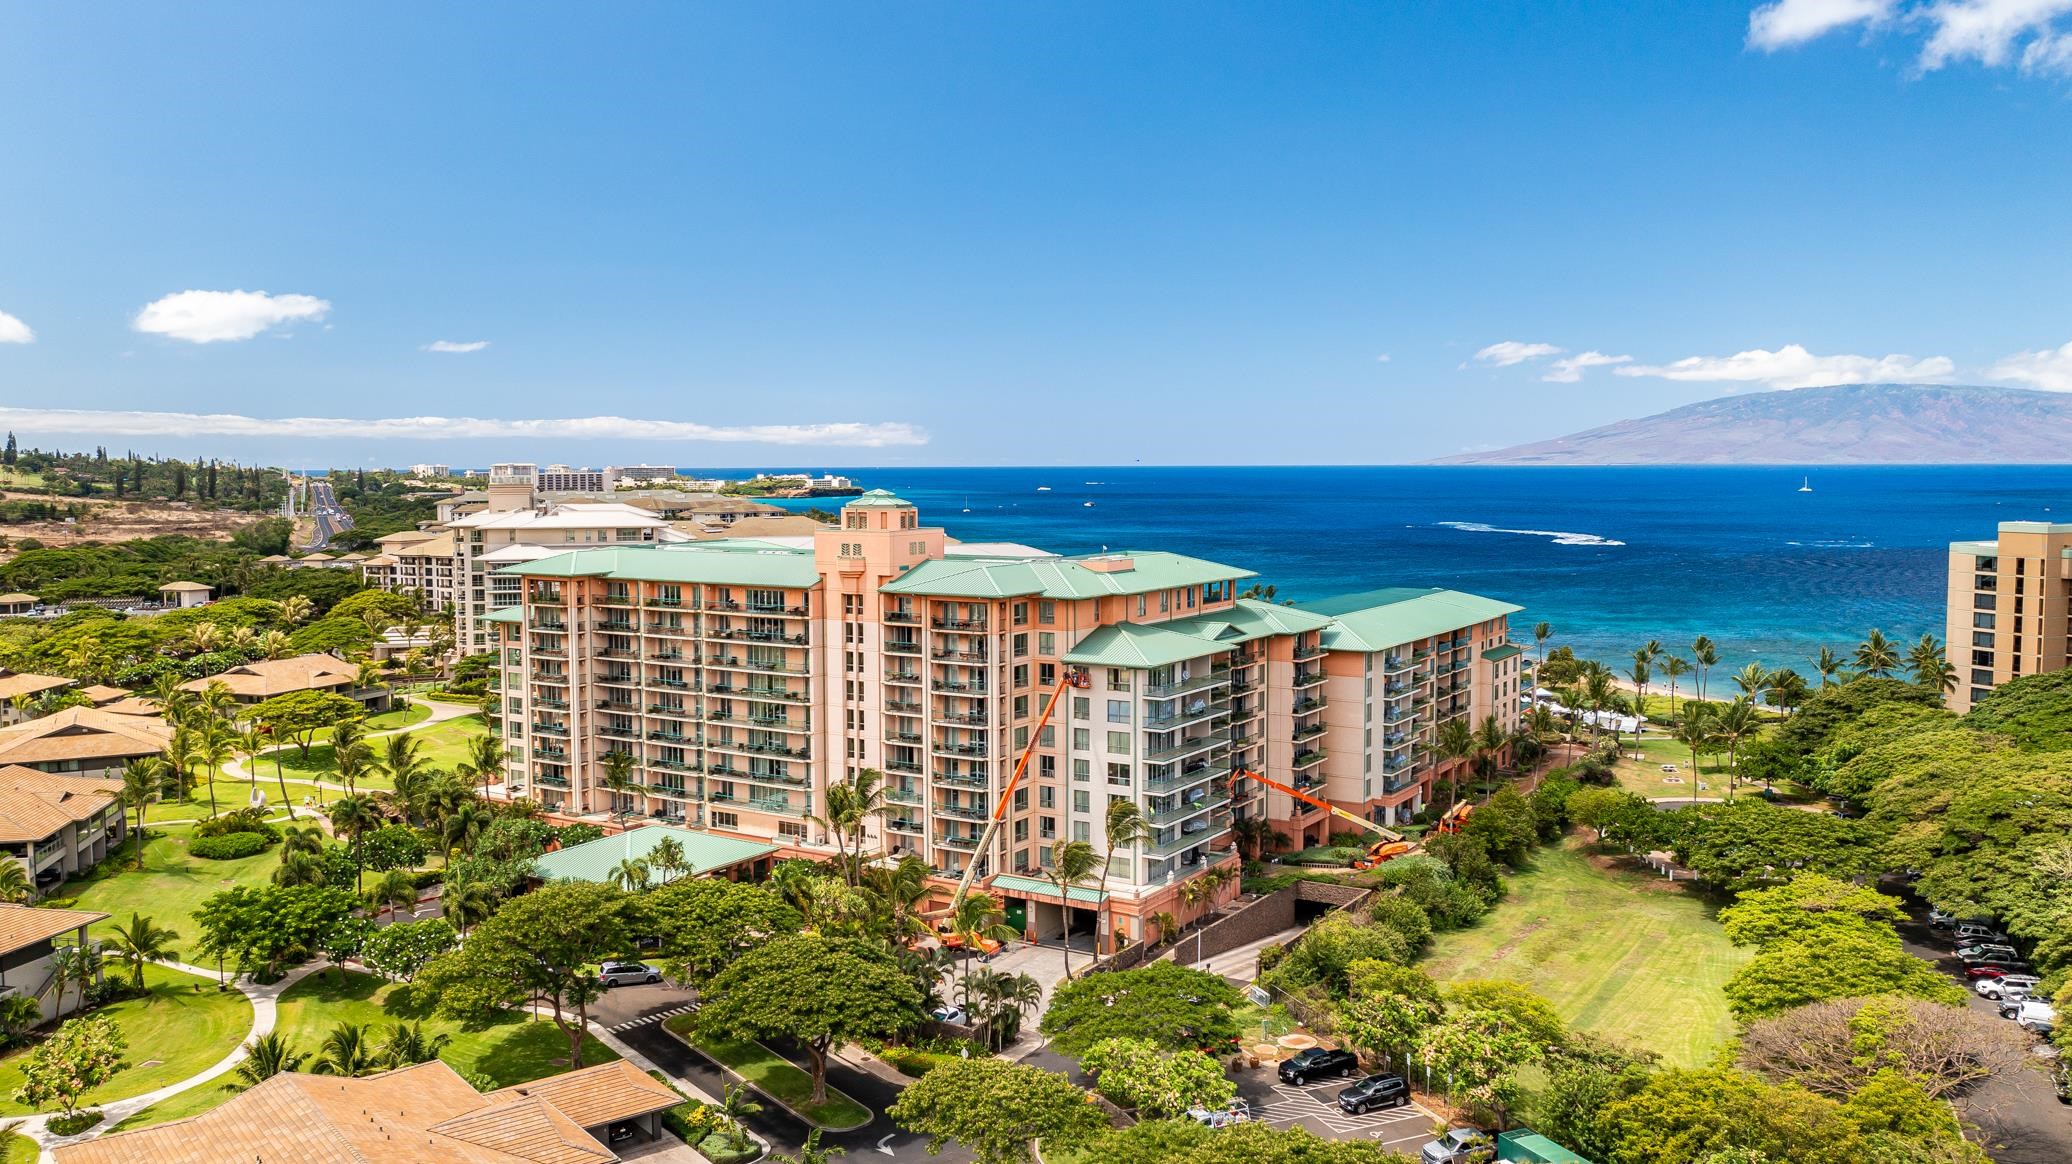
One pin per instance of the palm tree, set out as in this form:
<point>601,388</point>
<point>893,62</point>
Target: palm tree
<point>977,916</point>
<point>1541,632</point>
<point>1752,680</point>
<point>1071,863</point>
<point>1876,656</point>
<point>463,825</point>
<point>1829,665</point>
<point>265,1057</point>
<point>296,608</point>
<point>898,892</point>
<point>274,644</point>
<point>402,760</point>
<point>141,780</point>
<point>1785,689</point>
<point>851,805</point>
<point>1490,739</point>
<point>74,964</point>
<point>667,859</point>
<point>484,759</point>
<point>354,817</point>
<point>347,1050</point>
<point>407,1044</point>
<point>736,1103</point>
<point>1674,668</point>
<point>810,1151</point>
<point>183,751</point>
<point>618,780</point>
<point>1256,836</point>
<point>1736,722</point>
<point>352,761</point>
<point>1168,926</point>
<point>1126,828</point>
<point>369,675</point>
<point>1456,742</point>
<point>251,742</point>
<point>1929,667</point>
<point>15,885</point>
<point>1643,670</point>
<point>205,637</point>
<point>218,745</point>
<point>630,874</point>
<point>1694,731</point>
<point>1601,692</point>
<point>1193,893</point>
<point>466,904</point>
<point>1704,654</point>
<point>396,887</point>
<point>141,940</point>
<point>217,700</point>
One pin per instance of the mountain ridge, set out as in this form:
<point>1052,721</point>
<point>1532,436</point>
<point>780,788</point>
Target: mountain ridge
<point>1843,424</point>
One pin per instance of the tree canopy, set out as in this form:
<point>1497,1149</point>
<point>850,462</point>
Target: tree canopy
<point>998,1109</point>
<point>1179,1008</point>
<point>818,992</point>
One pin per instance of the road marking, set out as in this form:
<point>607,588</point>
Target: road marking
<point>652,1019</point>
<point>885,1145</point>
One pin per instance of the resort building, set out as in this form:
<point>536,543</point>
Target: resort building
<point>181,595</point>
<point>644,473</point>
<point>564,479</point>
<point>424,1114</point>
<point>84,741</point>
<point>58,826</point>
<point>28,942</point>
<point>259,681</point>
<point>2010,607</point>
<point>512,531</point>
<point>21,689</point>
<point>433,471</point>
<point>746,675</point>
<point>414,562</point>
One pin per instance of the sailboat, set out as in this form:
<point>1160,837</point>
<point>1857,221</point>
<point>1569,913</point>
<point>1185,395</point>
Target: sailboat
<point>1805,484</point>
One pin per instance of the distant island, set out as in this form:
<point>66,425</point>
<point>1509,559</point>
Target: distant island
<point>1852,424</point>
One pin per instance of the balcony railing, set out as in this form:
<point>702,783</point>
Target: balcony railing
<point>1307,758</point>
<point>1187,747</point>
<point>961,812</point>
<point>1309,678</point>
<point>1181,812</point>
<point>964,779</point>
<point>956,841</point>
<point>1183,686</point>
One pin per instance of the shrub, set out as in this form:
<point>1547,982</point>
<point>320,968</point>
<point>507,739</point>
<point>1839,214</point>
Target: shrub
<point>73,1124</point>
<point>1406,918</point>
<point>244,820</point>
<point>229,846</point>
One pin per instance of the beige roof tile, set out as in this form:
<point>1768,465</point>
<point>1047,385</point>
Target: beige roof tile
<point>25,925</point>
<point>83,733</point>
<point>593,1096</point>
<point>25,683</point>
<point>33,804</point>
<point>270,677</point>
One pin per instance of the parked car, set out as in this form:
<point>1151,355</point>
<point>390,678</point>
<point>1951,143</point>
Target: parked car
<point>1372,1092</point>
<point>950,1015</point>
<point>1988,950</point>
<point>2006,986</point>
<point>1238,1112</point>
<point>2035,1016</point>
<point>1972,931</point>
<point>1460,1146</point>
<point>1318,1063</point>
<point>1997,969</point>
<point>627,973</point>
<point>1989,959</point>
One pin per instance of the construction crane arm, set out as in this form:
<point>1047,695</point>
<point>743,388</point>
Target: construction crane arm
<point>1327,806</point>
<point>1072,677</point>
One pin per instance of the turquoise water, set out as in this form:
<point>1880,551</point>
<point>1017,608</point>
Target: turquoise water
<point>1612,557</point>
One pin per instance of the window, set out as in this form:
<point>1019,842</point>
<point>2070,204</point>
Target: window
<point>1021,799</point>
<point>791,828</point>
<point>1046,797</point>
<point>1048,737</point>
<point>1119,775</point>
<point>1080,801</point>
<point>1046,612</point>
<point>1021,614</point>
<point>1021,830</point>
<point>1081,771</point>
<point>1082,707</point>
<point>1046,643</point>
<point>1080,831</point>
<point>1020,645</point>
<point>726,820</point>
<point>1021,674</point>
<point>1119,743</point>
<point>1118,711</point>
<point>1082,739</point>
<point>1118,679</point>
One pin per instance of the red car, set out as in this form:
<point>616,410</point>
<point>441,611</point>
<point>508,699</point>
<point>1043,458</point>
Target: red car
<point>1995,971</point>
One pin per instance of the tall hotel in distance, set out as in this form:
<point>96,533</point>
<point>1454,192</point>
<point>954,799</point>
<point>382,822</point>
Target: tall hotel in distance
<point>744,676</point>
<point>2010,608</point>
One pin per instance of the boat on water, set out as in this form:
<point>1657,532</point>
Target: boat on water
<point>1805,484</point>
<point>1043,489</point>
<point>1087,504</point>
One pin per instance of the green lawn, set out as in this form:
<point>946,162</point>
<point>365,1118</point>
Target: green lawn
<point>1647,778</point>
<point>513,1050</point>
<point>18,1149</point>
<point>404,716</point>
<point>182,1027</point>
<point>776,1076</point>
<point>445,747</point>
<point>170,888</point>
<point>1620,954</point>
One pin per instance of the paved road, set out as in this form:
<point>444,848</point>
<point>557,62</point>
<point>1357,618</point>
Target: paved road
<point>2023,1121</point>
<point>634,1014</point>
<point>331,520</point>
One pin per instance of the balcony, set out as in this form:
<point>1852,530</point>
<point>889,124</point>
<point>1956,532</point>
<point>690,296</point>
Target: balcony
<point>1187,747</point>
<point>896,647</point>
<point>1309,652</point>
<point>675,766</point>
<point>551,678</point>
<point>551,704</point>
<point>961,812</point>
<point>1177,781</point>
<point>902,766</point>
<point>619,733</point>
<point>952,685</point>
<point>1183,686</point>
<point>1205,710</point>
<point>546,752</point>
<point>553,781</point>
<point>967,625</point>
<point>772,778</point>
<point>668,737</point>
<point>753,691</point>
<point>961,656</point>
<point>1309,731</point>
<point>1394,663</point>
<point>1178,844</point>
<point>904,796</point>
<point>783,723</point>
<point>957,841</point>
<point>540,652</point>
<point>552,729</point>
<point>973,749</point>
<point>904,737</point>
<point>775,608</point>
<point>977,717</point>
<point>1308,758</point>
<point>906,824</point>
<point>1182,811</point>
<point>618,653</point>
<point>669,655</point>
<point>904,706</point>
<point>1309,703</point>
<point>902,676</point>
<point>1309,678</point>
<point>964,779</point>
<point>669,684</point>
<point>903,617</point>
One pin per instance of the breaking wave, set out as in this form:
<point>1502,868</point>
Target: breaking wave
<point>1561,537</point>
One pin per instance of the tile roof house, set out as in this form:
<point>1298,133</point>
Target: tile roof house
<point>425,1114</point>
<point>57,826</point>
<point>28,939</point>
<point>32,686</point>
<point>266,678</point>
<point>84,741</point>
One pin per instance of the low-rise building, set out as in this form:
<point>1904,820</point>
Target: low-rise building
<point>424,1114</point>
<point>84,741</point>
<point>431,470</point>
<point>182,595</point>
<point>58,826</point>
<point>22,688</point>
<point>703,855</point>
<point>17,604</point>
<point>29,938</point>
<point>421,564</point>
<point>263,679</point>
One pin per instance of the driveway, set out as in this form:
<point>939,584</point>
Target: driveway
<point>1403,1129</point>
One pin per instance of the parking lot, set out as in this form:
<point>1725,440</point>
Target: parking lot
<point>1403,1129</point>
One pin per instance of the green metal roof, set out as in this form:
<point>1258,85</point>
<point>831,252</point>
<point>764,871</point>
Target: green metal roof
<point>878,499</point>
<point>713,562</point>
<point>1038,887</point>
<point>507,614</point>
<point>593,860</point>
<point>1377,620</point>
<point>1248,619</point>
<point>1060,578</point>
<point>1138,644</point>
<point>1499,654</point>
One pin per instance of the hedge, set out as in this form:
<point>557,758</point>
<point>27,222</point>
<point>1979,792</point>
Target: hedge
<point>229,846</point>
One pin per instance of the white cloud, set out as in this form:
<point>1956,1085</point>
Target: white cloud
<point>204,317</point>
<point>126,423</point>
<point>1792,366</point>
<point>1509,352</point>
<point>2049,368</point>
<point>451,346</point>
<point>1383,358</point>
<point>1793,22</point>
<point>1570,369</point>
<point>1995,33</point>
<point>14,331</point>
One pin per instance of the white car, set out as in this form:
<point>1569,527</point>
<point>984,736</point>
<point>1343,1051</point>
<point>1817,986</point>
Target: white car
<point>2037,1016</point>
<point>1238,1112</point>
<point>2006,986</point>
<point>950,1016</point>
<point>628,974</point>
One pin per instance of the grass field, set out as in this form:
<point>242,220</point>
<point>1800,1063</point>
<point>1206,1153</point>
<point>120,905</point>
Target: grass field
<point>1647,778</point>
<point>513,1050</point>
<point>178,1029</point>
<point>1619,954</point>
<point>775,1076</point>
<point>170,888</point>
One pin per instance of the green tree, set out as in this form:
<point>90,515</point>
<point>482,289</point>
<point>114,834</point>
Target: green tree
<point>1388,1008</point>
<point>998,1110</point>
<point>1751,843</point>
<point>1684,1117</point>
<point>1876,656</point>
<point>15,885</point>
<point>348,1050</point>
<point>140,940</point>
<point>298,716</point>
<point>265,928</point>
<point>265,1057</point>
<point>1705,656</point>
<point>1597,808</point>
<point>354,817</point>
<point>1694,732</point>
<point>706,925</point>
<point>817,992</point>
<point>1506,826</point>
<point>397,952</point>
<point>1806,905</point>
<point>83,1054</point>
<point>407,1043</point>
<point>1071,863</point>
<point>1843,961</point>
<point>618,780</point>
<point>1180,1008</point>
<point>1156,1083</point>
<point>1518,1006</point>
<point>1478,1053</point>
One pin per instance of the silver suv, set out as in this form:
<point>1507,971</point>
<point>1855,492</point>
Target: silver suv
<point>2006,986</point>
<point>628,974</point>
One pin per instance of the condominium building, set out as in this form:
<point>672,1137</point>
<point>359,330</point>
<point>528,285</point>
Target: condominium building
<point>2010,607</point>
<point>434,471</point>
<point>644,473</point>
<point>414,562</point>
<point>486,541</point>
<point>566,479</point>
<point>745,676</point>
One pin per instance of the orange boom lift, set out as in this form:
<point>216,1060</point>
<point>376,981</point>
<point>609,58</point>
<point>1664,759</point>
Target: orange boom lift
<point>1391,844</point>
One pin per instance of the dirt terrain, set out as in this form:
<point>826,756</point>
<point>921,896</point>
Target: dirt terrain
<point>114,521</point>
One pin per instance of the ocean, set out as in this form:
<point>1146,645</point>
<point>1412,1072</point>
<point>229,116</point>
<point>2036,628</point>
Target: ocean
<point>1611,557</point>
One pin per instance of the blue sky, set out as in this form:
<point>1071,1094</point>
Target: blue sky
<point>1181,233</point>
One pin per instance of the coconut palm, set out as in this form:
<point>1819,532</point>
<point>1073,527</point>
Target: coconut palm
<point>1168,926</point>
<point>15,885</point>
<point>1070,864</point>
<point>354,817</point>
<point>71,965</point>
<point>618,780</point>
<point>1125,829</point>
<point>274,644</point>
<point>1925,660</point>
<point>1490,741</point>
<point>296,609</point>
<point>347,1050</point>
<point>1541,632</point>
<point>1600,692</point>
<point>217,700</point>
<point>396,887</point>
<point>851,805</point>
<point>1456,742</point>
<point>1786,689</point>
<point>1737,721</point>
<point>1704,655</point>
<point>140,940</point>
<point>205,637</point>
<point>251,741</point>
<point>630,874</point>
<point>463,825</point>
<point>484,760</point>
<point>810,1151</point>
<point>265,1057</point>
<point>142,778</point>
<point>352,761</point>
<point>1256,836</point>
<point>667,859</point>
<point>368,676</point>
<point>407,1043</point>
<point>898,892</point>
<point>1694,731</point>
<point>976,918</point>
<point>1829,665</point>
<point>402,761</point>
<point>466,904</point>
<point>1674,668</point>
<point>1876,656</point>
<point>1752,680</point>
<point>1643,670</point>
<point>217,746</point>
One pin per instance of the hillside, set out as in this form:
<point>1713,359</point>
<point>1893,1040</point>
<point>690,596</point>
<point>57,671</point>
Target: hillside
<point>1856,424</point>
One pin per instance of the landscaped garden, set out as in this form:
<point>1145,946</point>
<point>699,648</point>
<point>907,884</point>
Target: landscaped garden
<point>774,1075</point>
<point>169,889</point>
<point>181,1027</point>
<point>1617,953</point>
